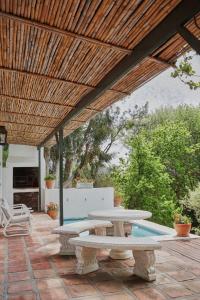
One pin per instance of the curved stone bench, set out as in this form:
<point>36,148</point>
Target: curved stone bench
<point>68,231</point>
<point>143,252</point>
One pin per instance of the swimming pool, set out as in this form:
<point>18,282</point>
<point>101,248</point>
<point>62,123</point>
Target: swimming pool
<point>137,230</point>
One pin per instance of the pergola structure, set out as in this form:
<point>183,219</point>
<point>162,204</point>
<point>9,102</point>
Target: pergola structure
<point>63,61</point>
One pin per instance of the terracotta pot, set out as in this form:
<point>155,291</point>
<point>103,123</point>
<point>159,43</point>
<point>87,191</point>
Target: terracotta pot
<point>50,184</point>
<point>117,201</point>
<point>183,230</point>
<point>53,214</point>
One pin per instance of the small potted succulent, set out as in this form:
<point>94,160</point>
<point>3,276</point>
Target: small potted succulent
<point>117,199</point>
<point>52,210</point>
<point>50,181</point>
<point>182,224</point>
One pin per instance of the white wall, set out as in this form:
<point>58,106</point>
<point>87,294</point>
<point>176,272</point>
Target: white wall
<point>19,156</point>
<point>77,203</point>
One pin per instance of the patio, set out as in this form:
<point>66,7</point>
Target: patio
<point>31,269</point>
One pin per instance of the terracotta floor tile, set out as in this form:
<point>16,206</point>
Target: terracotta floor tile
<point>74,279</point>
<point>193,285</point>
<point>175,290</point>
<point>181,275</point>
<point>81,290</point>
<point>18,276</point>
<point>167,267</point>
<point>19,268</point>
<point>53,294</point>
<point>25,296</point>
<point>149,294</point>
<point>163,279</point>
<point>195,271</point>
<point>99,276</point>
<point>48,273</point>
<point>41,266</point>
<point>19,286</point>
<point>106,287</point>
<point>49,283</point>
<point>120,296</point>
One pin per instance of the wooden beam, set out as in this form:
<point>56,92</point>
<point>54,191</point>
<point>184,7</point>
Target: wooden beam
<point>165,30</point>
<point>36,101</point>
<point>190,38</point>
<point>25,124</point>
<point>45,102</point>
<point>64,33</point>
<point>58,80</point>
<point>23,132</point>
<point>29,115</point>
<point>161,61</point>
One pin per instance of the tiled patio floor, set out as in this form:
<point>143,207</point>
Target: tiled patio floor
<point>32,269</point>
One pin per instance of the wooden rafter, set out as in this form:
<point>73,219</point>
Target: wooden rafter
<point>55,104</point>
<point>30,115</point>
<point>56,79</point>
<point>65,33</point>
<point>155,39</point>
<point>25,124</point>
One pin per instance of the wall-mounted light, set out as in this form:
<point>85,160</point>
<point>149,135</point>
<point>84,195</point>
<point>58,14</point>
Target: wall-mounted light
<point>3,135</point>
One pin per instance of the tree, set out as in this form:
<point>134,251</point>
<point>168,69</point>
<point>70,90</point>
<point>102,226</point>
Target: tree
<point>172,143</point>
<point>88,149</point>
<point>184,70</point>
<point>144,182</point>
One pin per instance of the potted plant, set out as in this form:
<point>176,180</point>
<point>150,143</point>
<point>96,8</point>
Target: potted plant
<point>52,210</point>
<point>117,199</point>
<point>182,224</point>
<point>83,181</point>
<point>50,181</point>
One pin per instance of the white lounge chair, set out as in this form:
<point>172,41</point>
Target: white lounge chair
<point>21,220</point>
<point>15,209</point>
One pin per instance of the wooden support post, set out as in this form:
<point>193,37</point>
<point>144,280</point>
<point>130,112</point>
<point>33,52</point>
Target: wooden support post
<point>61,174</point>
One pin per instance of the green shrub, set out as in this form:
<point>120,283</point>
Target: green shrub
<point>144,182</point>
<point>50,177</point>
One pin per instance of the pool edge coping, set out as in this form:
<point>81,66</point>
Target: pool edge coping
<point>170,232</point>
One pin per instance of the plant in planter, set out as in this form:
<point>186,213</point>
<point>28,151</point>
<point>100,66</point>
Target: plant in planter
<point>182,224</point>
<point>52,210</point>
<point>50,181</point>
<point>83,181</point>
<point>117,199</point>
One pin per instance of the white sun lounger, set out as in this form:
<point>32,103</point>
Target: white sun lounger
<point>22,222</point>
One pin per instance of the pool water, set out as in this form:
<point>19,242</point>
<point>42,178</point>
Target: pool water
<point>143,231</point>
<point>137,230</point>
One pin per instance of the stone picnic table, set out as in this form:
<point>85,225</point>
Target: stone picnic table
<point>118,216</point>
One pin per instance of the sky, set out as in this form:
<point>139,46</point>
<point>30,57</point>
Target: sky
<point>164,90</point>
<point>161,91</point>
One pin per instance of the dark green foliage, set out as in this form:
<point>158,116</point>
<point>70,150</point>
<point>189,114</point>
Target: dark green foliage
<point>5,154</point>
<point>164,162</point>
<point>144,182</point>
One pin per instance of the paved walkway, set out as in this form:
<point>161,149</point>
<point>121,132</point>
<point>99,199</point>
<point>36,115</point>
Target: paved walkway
<point>31,269</point>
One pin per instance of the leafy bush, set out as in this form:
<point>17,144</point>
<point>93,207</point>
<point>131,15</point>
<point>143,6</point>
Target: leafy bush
<point>191,205</point>
<point>50,177</point>
<point>144,182</point>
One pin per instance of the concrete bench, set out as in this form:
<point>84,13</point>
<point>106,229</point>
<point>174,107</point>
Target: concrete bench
<point>68,231</point>
<point>142,248</point>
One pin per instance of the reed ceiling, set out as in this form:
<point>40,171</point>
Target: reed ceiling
<point>52,53</point>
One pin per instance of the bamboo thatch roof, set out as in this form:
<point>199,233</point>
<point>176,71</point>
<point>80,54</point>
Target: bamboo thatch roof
<point>52,53</point>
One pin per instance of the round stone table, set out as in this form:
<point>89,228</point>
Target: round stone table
<point>118,216</point>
